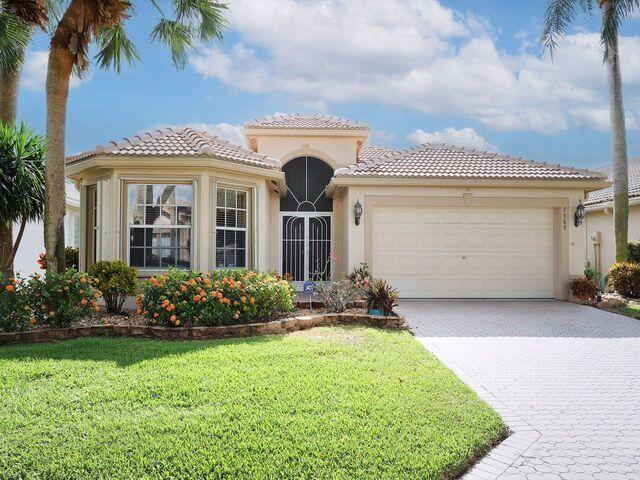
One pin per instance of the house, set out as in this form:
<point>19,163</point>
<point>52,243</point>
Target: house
<point>32,244</point>
<point>309,197</point>
<point>601,250</point>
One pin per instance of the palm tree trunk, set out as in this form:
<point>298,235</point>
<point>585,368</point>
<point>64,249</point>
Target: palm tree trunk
<point>57,89</point>
<point>8,108</point>
<point>16,244</point>
<point>620,170</point>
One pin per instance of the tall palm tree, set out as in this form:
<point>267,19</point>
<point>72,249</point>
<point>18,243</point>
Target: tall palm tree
<point>103,22</point>
<point>16,27</point>
<point>21,183</point>
<point>558,16</point>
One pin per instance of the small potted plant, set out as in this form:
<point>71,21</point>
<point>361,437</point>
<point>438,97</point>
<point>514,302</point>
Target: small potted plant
<point>381,298</point>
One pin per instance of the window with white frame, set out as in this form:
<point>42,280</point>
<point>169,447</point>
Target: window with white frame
<point>160,227</point>
<point>231,228</point>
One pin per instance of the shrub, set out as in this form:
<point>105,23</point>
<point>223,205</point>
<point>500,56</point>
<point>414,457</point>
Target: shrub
<point>633,253</point>
<point>71,256</point>
<point>381,296</point>
<point>584,288</point>
<point>223,297</point>
<point>336,296</point>
<point>15,312</point>
<point>590,273</point>
<point>360,273</point>
<point>116,280</point>
<point>625,278</point>
<point>57,299</point>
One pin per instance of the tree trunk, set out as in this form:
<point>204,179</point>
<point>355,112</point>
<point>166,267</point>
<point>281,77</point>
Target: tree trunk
<point>58,77</point>
<point>8,108</point>
<point>16,244</point>
<point>620,172</point>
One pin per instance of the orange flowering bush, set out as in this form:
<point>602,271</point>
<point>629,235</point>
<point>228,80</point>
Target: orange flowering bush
<point>222,297</point>
<point>56,299</point>
<point>15,312</point>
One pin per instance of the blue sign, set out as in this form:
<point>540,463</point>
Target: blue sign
<point>309,287</point>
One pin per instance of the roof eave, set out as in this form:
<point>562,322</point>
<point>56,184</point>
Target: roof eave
<point>344,181</point>
<point>593,207</point>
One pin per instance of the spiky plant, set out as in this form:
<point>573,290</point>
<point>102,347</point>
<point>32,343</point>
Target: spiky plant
<point>559,15</point>
<point>22,176</point>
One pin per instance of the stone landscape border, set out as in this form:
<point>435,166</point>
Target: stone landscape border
<point>200,333</point>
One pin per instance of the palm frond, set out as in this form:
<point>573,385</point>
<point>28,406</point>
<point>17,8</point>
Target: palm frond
<point>177,36</point>
<point>115,47</point>
<point>22,175</point>
<point>614,13</point>
<point>557,17</point>
<point>34,12</point>
<point>208,15</point>
<point>15,35</point>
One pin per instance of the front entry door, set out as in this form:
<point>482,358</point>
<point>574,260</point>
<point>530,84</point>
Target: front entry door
<point>306,246</point>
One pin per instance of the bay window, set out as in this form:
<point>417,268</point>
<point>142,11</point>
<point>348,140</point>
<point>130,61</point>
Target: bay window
<point>160,225</point>
<point>231,228</point>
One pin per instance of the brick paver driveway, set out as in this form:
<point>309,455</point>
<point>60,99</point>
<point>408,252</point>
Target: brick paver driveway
<point>565,377</point>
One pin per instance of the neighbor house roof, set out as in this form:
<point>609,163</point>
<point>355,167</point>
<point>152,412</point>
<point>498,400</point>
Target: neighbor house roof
<point>446,161</point>
<point>606,194</point>
<point>313,121</point>
<point>369,152</point>
<point>179,142</point>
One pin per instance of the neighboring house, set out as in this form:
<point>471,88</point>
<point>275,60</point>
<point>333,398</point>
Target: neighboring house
<point>32,244</point>
<point>601,250</point>
<point>435,220</point>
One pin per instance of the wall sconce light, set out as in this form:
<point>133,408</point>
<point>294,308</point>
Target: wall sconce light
<point>579,215</point>
<point>357,211</point>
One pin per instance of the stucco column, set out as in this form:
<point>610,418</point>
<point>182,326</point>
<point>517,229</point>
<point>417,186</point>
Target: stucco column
<point>202,197</point>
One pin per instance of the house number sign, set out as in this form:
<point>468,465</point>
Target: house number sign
<point>564,218</point>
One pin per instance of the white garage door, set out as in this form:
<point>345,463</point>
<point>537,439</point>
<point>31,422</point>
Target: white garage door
<point>464,252</point>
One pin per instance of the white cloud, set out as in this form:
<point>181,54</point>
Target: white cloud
<point>464,137</point>
<point>34,72</point>
<point>225,131</point>
<point>416,54</point>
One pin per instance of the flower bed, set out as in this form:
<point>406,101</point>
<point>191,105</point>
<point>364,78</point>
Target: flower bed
<point>207,332</point>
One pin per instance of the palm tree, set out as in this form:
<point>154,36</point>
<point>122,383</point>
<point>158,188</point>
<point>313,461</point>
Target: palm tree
<point>558,16</point>
<point>22,177</point>
<point>16,27</point>
<point>103,22</point>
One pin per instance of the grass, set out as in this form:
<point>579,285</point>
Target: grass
<point>339,402</point>
<point>632,311</point>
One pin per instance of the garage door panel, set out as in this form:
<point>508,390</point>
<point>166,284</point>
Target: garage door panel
<point>465,253</point>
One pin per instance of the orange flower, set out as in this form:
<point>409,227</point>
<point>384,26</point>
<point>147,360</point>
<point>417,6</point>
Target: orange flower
<point>214,294</point>
<point>83,301</point>
<point>165,303</point>
<point>9,288</point>
<point>172,307</point>
<point>80,291</point>
<point>196,298</point>
<point>83,280</point>
<point>220,296</point>
<point>252,300</point>
<point>244,299</point>
<point>32,321</point>
<point>183,289</point>
<point>97,308</point>
<point>172,318</point>
<point>177,322</point>
<point>156,315</point>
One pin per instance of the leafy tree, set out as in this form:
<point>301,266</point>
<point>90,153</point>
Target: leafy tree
<point>86,22</point>
<point>22,181</point>
<point>558,17</point>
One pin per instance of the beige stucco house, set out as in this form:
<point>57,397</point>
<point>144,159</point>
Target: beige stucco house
<point>599,219</point>
<point>309,197</point>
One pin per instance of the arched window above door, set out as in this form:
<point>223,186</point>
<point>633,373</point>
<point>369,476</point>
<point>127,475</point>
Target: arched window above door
<point>306,178</point>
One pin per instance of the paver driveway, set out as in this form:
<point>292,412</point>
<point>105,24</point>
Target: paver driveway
<point>565,378</point>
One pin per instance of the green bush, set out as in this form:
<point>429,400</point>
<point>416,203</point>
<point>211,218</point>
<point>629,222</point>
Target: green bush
<point>223,297</point>
<point>71,257</point>
<point>116,280</point>
<point>381,296</point>
<point>15,312</point>
<point>625,278</point>
<point>57,299</point>
<point>633,252</point>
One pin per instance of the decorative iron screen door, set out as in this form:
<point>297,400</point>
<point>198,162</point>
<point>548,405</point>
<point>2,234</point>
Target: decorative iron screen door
<point>306,246</point>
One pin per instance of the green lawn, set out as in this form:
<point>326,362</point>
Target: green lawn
<point>339,402</point>
<point>632,311</point>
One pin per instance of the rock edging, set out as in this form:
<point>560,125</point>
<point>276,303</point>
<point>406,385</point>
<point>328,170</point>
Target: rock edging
<point>201,333</point>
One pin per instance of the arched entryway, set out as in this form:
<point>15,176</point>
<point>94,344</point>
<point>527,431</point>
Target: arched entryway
<point>306,216</point>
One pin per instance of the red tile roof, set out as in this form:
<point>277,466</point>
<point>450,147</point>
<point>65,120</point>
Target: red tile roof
<point>446,161</point>
<point>183,142</point>
<point>606,194</point>
<point>313,121</point>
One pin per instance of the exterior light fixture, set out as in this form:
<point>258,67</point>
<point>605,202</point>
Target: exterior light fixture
<point>579,215</point>
<point>357,211</point>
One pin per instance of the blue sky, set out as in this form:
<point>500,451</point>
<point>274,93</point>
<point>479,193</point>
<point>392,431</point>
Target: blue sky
<point>466,72</point>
